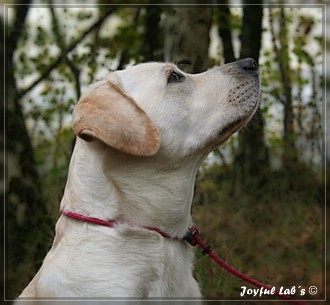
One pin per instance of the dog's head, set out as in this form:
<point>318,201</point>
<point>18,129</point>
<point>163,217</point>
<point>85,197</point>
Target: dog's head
<point>155,107</point>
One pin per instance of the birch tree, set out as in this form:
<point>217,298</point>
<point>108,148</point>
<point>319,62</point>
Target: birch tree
<point>186,40</point>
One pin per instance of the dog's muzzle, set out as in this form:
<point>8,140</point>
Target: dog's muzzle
<point>245,94</point>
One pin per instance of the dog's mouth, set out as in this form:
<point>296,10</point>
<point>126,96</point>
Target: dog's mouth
<point>231,128</point>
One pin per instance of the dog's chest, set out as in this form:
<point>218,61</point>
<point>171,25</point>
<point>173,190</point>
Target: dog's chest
<point>176,278</point>
<point>122,264</point>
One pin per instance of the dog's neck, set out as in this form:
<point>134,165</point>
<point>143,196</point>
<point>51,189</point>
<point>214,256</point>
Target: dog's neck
<point>107,184</point>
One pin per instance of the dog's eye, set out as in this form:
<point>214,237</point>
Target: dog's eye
<point>175,77</point>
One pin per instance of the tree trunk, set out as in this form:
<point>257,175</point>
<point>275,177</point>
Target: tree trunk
<point>152,37</point>
<point>27,225</point>
<point>225,33</point>
<point>290,153</point>
<point>290,150</point>
<point>252,161</point>
<point>186,40</point>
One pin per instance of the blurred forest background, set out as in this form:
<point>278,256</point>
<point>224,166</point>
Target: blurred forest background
<point>259,199</point>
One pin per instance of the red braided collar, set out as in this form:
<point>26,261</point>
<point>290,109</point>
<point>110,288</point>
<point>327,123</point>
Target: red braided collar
<point>110,223</point>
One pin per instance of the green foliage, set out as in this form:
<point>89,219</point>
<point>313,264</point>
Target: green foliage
<point>304,49</point>
<point>53,162</point>
<point>128,37</point>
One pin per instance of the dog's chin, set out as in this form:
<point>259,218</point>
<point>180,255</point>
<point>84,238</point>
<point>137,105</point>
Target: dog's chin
<point>232,127</point>
<point>228,131</point>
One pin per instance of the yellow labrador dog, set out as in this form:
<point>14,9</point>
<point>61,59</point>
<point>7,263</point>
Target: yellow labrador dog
<point>141,135</point>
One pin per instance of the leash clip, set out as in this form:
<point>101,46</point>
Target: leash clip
<point>190,236</point>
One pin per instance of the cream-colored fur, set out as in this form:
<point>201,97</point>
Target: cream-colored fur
<point>141,139</point>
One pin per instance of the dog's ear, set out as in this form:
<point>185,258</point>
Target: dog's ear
<point>108,114</point>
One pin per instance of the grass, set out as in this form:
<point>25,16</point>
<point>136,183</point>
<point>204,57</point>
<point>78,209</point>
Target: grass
<point>275,237</point>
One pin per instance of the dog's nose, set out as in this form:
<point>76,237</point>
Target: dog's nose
<point>248,64</point>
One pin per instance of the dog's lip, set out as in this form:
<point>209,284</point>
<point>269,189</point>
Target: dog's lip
<point>225,134</point>
<point>231,128</point>
<point>234,126</point>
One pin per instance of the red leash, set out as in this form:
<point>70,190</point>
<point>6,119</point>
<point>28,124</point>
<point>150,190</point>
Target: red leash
<point>193,238</point>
